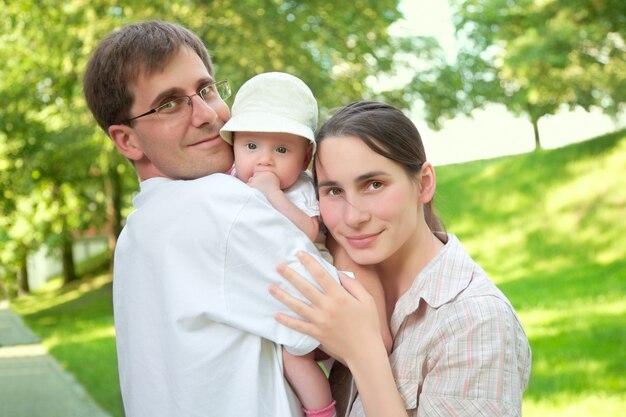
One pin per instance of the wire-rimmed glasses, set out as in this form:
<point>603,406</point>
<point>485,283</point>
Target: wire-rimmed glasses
<point>180,106</point>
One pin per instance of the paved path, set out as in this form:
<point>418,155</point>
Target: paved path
<point>32,383</point>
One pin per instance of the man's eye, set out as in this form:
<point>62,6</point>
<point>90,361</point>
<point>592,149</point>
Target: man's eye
<point>168,105</point>
<point>281,149</point>
<point>171,105</point>
<point>207,91</point>
<point>334,191</point>
<point>251,146</point>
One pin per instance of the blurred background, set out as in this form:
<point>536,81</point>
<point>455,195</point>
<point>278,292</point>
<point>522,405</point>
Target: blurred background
<point>520,105</point>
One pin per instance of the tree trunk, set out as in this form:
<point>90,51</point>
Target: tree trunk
<point>113,192</point>
<point>536,131</point>
<point>4,294</point>
<point>67,255</point>
<point>23,286</point>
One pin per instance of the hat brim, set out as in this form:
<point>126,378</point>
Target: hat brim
<point>265,122</point>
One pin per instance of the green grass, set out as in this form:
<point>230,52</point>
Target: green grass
<point>550,229</point>
<point>76,325</point>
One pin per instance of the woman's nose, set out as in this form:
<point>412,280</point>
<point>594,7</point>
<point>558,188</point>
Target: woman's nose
<point>355,213</point>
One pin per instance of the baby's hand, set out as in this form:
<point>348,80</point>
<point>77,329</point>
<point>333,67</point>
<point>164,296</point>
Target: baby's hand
<point>264,181</point>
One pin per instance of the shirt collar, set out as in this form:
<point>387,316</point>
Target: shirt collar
<point>443,278</point>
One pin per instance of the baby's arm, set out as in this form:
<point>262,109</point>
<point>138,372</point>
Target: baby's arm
<point>269,185</point>
<point>309,382</point>
<point>309,225</point>
<point>370,280</point>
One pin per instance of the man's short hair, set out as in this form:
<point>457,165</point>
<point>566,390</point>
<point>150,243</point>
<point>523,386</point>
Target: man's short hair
<point>142,48</point>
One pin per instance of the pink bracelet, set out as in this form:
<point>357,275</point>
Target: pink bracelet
<point>328,411</point>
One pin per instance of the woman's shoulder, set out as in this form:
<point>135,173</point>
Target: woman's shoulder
<point>476,285</point>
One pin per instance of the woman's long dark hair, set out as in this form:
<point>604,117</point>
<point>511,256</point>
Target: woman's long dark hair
<point>386,131</point>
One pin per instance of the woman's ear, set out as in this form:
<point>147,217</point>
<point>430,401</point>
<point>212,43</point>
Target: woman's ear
<point>125,140</point>
<point>427,183</point>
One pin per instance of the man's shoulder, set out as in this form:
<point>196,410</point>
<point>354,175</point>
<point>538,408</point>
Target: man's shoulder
<point>220,180</point>
<point>215,194</point>
<point>215,187</point>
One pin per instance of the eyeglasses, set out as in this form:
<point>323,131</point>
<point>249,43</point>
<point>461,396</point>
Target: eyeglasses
<point>179,107</point>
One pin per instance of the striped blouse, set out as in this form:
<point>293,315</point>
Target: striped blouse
<point>459,348</point>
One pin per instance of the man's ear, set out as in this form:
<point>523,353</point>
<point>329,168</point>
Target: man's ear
<point>427,183</point>
<point>126,142</point>
<point>307,157</point>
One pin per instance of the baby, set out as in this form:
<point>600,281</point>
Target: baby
<point>272,131</point>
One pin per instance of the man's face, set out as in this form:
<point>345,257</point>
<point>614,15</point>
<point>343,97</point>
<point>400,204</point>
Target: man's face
<point>183,147</point>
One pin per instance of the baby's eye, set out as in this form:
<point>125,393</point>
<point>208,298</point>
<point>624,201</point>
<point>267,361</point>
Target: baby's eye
<point>251,146</point>
<point>281,149</point>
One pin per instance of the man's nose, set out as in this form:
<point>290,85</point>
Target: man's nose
<point>201,111</point>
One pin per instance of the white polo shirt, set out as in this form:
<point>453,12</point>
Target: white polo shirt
<point>195,327</point>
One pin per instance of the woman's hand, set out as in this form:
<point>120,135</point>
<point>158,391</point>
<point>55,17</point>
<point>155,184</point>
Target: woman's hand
<point>369,279</point>
<point>343,319</point>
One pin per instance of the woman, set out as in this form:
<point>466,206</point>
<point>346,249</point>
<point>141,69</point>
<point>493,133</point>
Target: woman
<point>459,348</point>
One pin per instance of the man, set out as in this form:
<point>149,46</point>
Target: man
<point>194,321</point>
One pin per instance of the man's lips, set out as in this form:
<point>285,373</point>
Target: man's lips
<point>206,141</point>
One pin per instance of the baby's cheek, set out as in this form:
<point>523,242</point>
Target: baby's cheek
<point>241,172</point>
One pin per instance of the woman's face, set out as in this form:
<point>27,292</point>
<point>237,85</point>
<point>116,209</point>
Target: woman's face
<point>367,202</point>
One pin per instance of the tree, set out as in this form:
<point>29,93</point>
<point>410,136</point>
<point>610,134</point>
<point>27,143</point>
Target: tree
<point>59,164</point>
<point>333,46</point>
<point>533,57</point>
<point>49,146</point>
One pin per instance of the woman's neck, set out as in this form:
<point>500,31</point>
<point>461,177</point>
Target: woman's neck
<point>399,271</point>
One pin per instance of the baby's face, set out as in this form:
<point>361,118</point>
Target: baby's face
<point>283,154</point>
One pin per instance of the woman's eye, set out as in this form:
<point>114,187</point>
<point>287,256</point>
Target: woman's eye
<point>281,149</point>
<point>375,185</point>
<point>251,146</point>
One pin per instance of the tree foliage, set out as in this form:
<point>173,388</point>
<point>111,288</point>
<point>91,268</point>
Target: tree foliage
<point>533,56</point>
<point>61,176</point>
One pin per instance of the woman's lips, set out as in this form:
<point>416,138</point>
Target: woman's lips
<point>362,241</point>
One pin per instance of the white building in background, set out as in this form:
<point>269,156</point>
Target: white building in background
<point>45,264</point>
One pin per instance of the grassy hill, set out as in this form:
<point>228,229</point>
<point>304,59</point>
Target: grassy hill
<point>550,229</point>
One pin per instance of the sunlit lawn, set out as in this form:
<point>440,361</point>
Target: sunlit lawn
<point>549,228</point>
<point>76,325</point>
